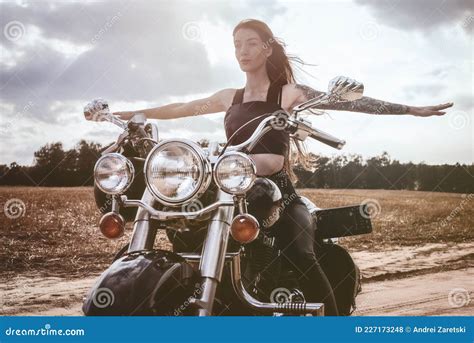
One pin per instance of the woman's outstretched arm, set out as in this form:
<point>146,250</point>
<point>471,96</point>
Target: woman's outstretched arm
<point>212,104</point>
<point>367,104</point>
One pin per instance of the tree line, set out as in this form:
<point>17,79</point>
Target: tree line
<point>55,166</point>
<point>382,172</point>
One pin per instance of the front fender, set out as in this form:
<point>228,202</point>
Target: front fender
<point>154,282</point>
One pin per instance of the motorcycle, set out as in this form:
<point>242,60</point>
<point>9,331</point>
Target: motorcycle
<point>219,216</point>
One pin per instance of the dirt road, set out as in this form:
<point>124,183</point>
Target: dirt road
<point>439,294</point>
<point>413,296</point>
<point>403,281</point>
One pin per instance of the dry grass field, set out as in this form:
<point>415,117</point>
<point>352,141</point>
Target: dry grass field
<point>58,234</point>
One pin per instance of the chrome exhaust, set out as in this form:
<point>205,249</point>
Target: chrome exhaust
<point>316,309</point>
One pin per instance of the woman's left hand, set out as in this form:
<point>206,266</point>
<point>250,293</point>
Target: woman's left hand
<point>427,111</point>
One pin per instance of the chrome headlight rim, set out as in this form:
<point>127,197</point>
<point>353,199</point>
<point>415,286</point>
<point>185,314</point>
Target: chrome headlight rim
<point>204,167</point>
<point>126,161</point>
<point>226,155</point>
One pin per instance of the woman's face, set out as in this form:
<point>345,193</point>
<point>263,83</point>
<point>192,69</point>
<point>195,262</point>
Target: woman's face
<point>251,52</point>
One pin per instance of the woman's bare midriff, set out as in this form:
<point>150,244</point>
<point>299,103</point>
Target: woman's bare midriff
<point>268,164</point>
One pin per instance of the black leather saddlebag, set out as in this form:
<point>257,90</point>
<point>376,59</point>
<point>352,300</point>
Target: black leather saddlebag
<point>342,221</point>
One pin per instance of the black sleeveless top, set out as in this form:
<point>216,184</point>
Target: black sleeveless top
<point>275,141</point>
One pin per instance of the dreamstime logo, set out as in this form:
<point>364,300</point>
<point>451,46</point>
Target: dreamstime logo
<point>192,31</point>
<point>107,205</point>
<point>276,213</point>
<point>14,208</point>
<point>369,31</point>
<point>198,290</point>
<point>280,121</point>
<point>268,43</point>
<point>107,26</point>
<point>193,206</point>
<point>467,21</point>
<point>202,109</point>
<point>103,297</point>
<point>5,127</point>
<point>14,30</point>
<point>458,120</point>
<point>280,295</point>
<point>370,208</point>
<point>458,297</point>
<point>457,209</point>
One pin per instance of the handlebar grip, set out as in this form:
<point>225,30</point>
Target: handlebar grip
<point>329,140</point>
<point>325,138</point>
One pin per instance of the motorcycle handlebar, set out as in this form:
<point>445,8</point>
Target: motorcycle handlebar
<point>299,128</point>
<point>296,126</point>
<point>114,120</point>
<point>98,110</point>
<point>326,138</point>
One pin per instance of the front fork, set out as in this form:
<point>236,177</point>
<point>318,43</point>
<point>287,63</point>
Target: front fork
<point>143,236</point>
<point>214,249</point>
<point>213,254</point>
<point>212,261</point>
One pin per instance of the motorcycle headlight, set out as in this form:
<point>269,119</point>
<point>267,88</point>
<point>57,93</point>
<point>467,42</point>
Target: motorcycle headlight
<point>177,171</point>
<point>113,173</point>
<point>235,173</point>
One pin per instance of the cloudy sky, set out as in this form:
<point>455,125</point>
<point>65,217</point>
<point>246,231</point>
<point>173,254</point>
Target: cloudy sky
<point>58,55</point>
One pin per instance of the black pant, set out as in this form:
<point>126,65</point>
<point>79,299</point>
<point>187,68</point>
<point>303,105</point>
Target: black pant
<point>295,233</point>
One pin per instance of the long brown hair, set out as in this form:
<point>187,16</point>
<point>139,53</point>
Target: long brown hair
<point>279,68</point>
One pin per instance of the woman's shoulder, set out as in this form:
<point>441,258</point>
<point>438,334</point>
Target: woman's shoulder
<point>290,88</point>
<point>228,92</point>
<point>226,96</point>
<point>290,94</point>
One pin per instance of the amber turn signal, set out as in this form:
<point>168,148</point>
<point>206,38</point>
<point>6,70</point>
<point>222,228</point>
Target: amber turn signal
<point>112,225</point>
<point>244,228</point>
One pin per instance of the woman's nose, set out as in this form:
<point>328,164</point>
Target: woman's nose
<point>244,52</point>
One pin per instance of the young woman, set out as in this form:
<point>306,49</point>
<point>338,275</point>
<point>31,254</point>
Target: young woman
<point>271,86</point>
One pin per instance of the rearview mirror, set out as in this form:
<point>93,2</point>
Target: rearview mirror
<point>96,110</point>
<point>342,88</point>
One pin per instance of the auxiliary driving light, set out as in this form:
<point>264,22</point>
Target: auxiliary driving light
<point>244,228</point>
<point>235,173</point>
<point>113,173</point>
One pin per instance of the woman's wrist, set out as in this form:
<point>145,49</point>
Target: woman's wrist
<point>124,115</point>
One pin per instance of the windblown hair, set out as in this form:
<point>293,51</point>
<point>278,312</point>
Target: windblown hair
<point>279,68</point>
